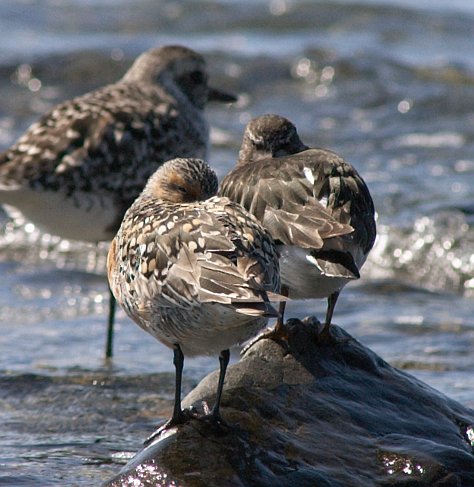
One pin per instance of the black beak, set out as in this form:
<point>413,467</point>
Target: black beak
<point>217,95</point>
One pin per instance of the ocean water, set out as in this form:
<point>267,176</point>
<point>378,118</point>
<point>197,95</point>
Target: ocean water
<point>388,85</point>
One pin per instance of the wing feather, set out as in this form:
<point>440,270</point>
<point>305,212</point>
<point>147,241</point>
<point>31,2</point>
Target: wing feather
<point>212,252</point>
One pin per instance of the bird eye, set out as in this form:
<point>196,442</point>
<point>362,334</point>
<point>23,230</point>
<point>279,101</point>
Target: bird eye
<point>179,188</point>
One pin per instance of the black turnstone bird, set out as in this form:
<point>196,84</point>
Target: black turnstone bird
<point>194,270</point>
<point>76,171</point>
<point>314,204</point>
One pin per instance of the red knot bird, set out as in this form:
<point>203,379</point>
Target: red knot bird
<point>194,270</point>
<point>314,204</point>
<point>76,171</point>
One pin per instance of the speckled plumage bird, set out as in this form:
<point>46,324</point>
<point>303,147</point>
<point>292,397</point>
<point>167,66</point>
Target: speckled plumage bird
<point>194,270</point>
<point>314,204</point>
<point>76,171</point>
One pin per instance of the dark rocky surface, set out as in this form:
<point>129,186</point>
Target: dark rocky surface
<point>314,415</point>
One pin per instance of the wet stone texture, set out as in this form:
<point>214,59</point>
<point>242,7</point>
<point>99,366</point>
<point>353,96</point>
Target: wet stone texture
<point>314,415</point>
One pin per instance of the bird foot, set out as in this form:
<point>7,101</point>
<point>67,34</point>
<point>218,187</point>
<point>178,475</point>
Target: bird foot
<point>214,419</point>
<point>327,338</point>
<point>180,419</point>
<point>278,334</point>
<point>216,425</point>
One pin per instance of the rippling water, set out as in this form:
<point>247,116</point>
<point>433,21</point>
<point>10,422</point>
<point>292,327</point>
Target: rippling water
<point>387,85</point>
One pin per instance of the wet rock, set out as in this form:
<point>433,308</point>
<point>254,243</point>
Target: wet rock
<point>316,415</point>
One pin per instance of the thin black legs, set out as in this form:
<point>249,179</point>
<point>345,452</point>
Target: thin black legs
<point>223,362</point>
<point>109,343</point>
<point>332,300</point>
<point>178,361</point>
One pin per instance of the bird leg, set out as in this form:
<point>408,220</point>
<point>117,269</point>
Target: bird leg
<point>332,300</point>
<point>110,327</point>
<point>223,362</point>
<point>178,360</point>
<point>325,337</point>
<point>178,417</point>
<point>279,332</point>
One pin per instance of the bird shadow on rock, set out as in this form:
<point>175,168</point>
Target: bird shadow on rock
<point>313,414</point>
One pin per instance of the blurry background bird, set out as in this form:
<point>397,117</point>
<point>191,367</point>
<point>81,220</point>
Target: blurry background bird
<point>76,171</point>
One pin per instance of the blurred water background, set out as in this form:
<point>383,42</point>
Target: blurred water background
<point>388,84</point>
